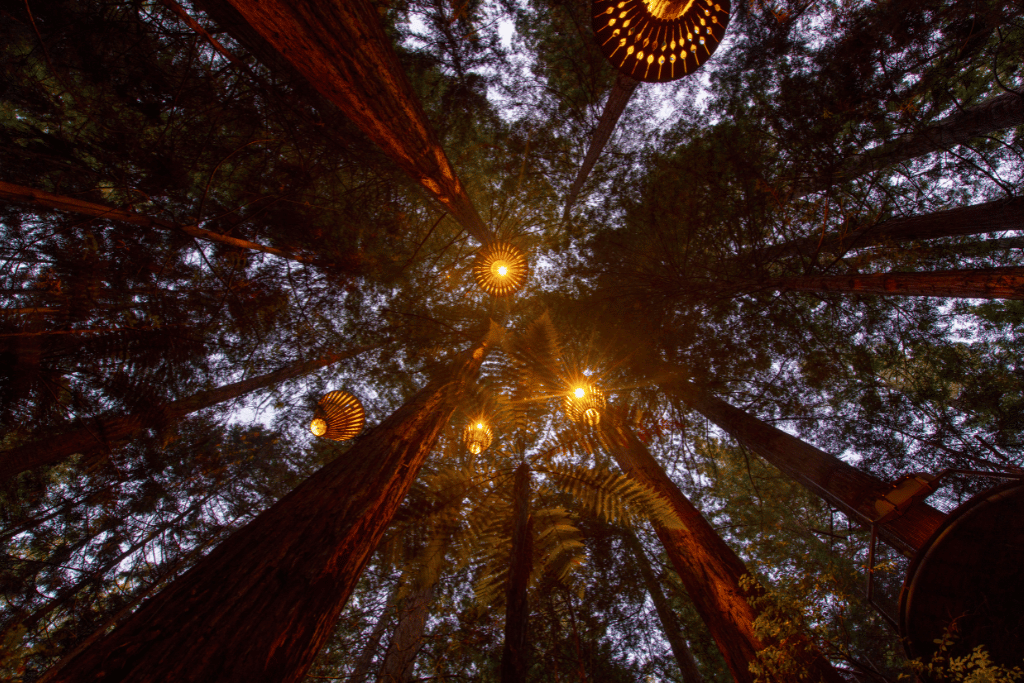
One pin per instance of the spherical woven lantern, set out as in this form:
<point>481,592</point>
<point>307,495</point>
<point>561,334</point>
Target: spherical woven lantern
<point>477,437</point>
<point>659,40</point>
<point>339,416</point>
<point>584,404</point>
<point>500,269</point>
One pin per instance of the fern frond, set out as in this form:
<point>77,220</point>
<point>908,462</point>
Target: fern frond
<point>613,497</point>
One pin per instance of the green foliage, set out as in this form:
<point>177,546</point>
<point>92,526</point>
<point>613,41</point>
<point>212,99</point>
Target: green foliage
<point>612,497</point>
<point>974,667</point>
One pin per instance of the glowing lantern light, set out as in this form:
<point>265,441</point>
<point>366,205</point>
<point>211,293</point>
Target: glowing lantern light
<point>339,416</point>
<point>500,269</point>
<point>659,40</point>
<point>477,437</point>
<point>584,405</point>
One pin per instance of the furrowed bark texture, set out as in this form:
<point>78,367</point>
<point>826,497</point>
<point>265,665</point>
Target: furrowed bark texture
<point>342,50</point>
<point>517,611</point>
<point>998,113</point>
<point>618,98</point>
<point>708,568</point>
<point>988,283</point>
<point>994,216</point>
<point>261,604</point>
<point>125,611</point>
<point>669,622</point>
<point>408,636</point>
<point>843,486</point>
<point>30,196</point>
<point>101,434</point>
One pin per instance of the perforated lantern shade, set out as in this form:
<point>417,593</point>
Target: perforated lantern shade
<point>585,409</point>
<point>339,416</point>
<point>477,437</point>
<point>659,40</point>
<point>500,269</point>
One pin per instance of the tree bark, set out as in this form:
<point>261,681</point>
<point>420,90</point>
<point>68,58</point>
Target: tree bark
<point>30,196</point>
<point>841,485</point>
<point>514,655</point>
<point>972,249</point>
<point>988,283</point>
<point>101,434</point>
<point>124,611</point>
<point>367,84</point>
<point>708,568</point>
<point>618,98</point>
<point>408,638</point>
<point>994,216</point>
<point>261,604</point>
<point>669,622</point>
<point>998,113</point>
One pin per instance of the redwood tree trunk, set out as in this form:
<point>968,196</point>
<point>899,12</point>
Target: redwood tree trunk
<point>669,622</point>
<point>973,249</point>
<point>843,486</point>
<point>101,434</point>
<point>998,113</point>
<point>988,283</point>
<point>342,50</point>
<point>260,606</point>
<point>514,654</point>
<point>708,568</point>
<point>618,98</point>
<point>994,216</point>
<point>408,637</point>
<point>30,196</point>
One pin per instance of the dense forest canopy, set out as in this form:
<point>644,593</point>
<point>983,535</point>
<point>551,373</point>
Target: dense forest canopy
<point>820,227</point>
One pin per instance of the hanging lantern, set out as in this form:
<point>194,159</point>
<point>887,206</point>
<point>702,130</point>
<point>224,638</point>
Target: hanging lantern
<point>659,40</point>
<point>339,416</point>
<point>499,268</point>
<point>477,437</point>
<point>584,404</point>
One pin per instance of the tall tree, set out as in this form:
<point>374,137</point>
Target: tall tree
<point>710,570</point>
<point>669,621</point>
<point>618,98</point>
<point>106,432</point>
<point>991,283</point>
<point>857,494</point>
<point>30,196</point>
<point>998,113</point>
<point>262,603</point>
<point>977,219</point>
<point>367,84</point>
<point>515,653</point>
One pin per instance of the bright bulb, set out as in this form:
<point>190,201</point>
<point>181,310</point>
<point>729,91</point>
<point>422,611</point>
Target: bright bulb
<point>318,426</point>
<point>479,425</point>
<point>579,392</point>
<point>502,271</point>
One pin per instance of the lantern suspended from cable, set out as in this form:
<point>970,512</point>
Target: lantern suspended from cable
<point>477,436</point>
<point>584,404</point>
<point>339,416</point>
<point>499,268</point>
<point>659,40</point>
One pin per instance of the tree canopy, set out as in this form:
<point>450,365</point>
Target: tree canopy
<point>820,227</point>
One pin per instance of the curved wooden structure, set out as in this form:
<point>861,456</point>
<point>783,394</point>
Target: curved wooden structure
<point>659,40</point>
<point>500,269</point>
<point>339,416</point>
<point>584,404</point>
<point>968,578</point>
<point>477,436</point>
